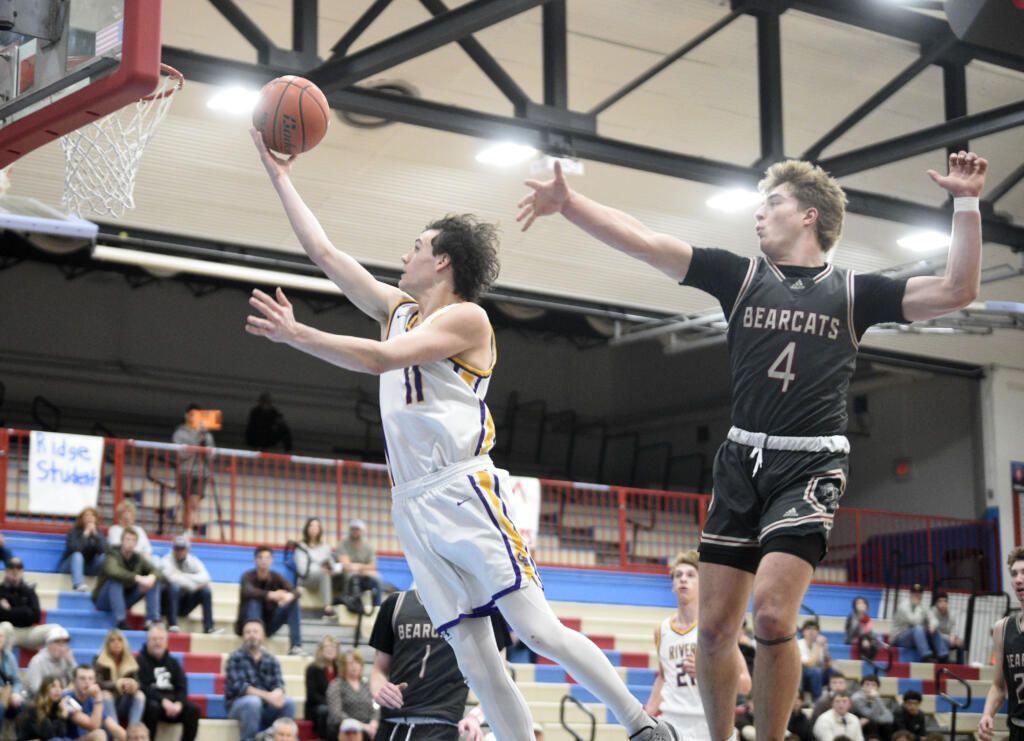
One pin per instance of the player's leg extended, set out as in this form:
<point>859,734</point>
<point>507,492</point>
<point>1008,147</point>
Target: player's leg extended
<point>529,615</point>
<point>779,588</point>
<point>724,593</point>
<point>472,639</point>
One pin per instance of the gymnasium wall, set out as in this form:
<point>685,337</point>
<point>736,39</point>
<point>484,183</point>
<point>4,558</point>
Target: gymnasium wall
<point>133,357</point>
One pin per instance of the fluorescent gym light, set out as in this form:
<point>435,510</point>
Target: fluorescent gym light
<point>924,241</point>
<point>735,199</point>
<point>505,154</point>
<point>235,99</point>
<point>65,226</point>
<point>171,264</point>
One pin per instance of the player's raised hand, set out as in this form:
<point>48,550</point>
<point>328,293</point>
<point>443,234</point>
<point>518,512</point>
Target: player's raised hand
<point>276,166</point>
<point>966,174</point>
<point>547,198</point>
<point>278,321</point>
<point>390,695</point>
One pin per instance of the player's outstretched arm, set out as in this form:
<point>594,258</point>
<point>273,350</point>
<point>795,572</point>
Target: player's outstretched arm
<point>927,297</point>
<point>370,296</point>
<point>997,690</point>
<point>615,228</point>
<point>463,330</point>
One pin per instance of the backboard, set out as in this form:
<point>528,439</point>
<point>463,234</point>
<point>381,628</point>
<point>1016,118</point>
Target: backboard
<point>66,63</point>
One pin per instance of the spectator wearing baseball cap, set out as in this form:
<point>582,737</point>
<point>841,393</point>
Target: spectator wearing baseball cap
<point>57,658</point>
<point>359,561</point>
<point>350,730</point>
<point>187,585</point>
<point>19,609</point>
<point>910,626</point>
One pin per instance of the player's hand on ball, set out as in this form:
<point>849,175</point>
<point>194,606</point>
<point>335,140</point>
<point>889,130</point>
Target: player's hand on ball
<point>390,695</point>
<point>278,321</point>
<point>274,164</point>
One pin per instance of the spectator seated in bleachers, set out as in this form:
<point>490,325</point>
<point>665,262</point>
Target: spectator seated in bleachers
<point>19,609</point>
<point>126,578</point>
<point>125,514</point>
<point>902,734</point>
<point>869,705</point>
<point>186,586</point>
<point>117,673</point>
<point>836,683</point>
<point>349,696</point>
<point>838,721</point>
<point>266,426</point>
<point>49,716</point>
<point>166,687</point>
<point>12,697</point>
<point>316,569</point>
<point>799,724</point>
<point>282,729</point>
<point>269,597</point>
<point>57,659</point>
<point>84,549</point>
<point>320,672</point>
<point>942,620</point>
<point>138,732</point>
<point>359,560</point>
<point>350,730</point>
<point>858,629</point>
<point>89,715</point>
<point>814,658</point>
<point>253,684</point>
<point>5,552</point>
<point>908,716</point>
<point>911,629</point>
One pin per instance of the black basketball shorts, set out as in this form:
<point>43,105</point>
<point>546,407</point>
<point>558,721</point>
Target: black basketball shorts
<point>794,495</point>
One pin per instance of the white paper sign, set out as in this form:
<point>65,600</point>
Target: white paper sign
<point>63,472</point>
<point>524,507</point>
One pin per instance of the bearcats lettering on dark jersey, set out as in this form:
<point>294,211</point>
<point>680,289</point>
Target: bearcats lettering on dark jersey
<point>423,659</point>
<point>793,336</point>
<point>1013,670</point>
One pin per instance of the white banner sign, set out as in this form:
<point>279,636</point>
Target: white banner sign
<point>524,507</point>
<point>63,472</point>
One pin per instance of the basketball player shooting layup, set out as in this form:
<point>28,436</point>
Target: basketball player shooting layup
<point>793,334</point>
<point>1008,650</point>
<point>434,361</point>
<point>675,694</point>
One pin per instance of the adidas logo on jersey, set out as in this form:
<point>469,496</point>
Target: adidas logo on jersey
<point>791,512</point>
<point>797,285</point>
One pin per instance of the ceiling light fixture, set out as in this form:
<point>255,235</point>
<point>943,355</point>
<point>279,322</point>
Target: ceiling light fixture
<point>735,199</point>
<point>505,154</point>
<point>924,241</point>
<point>236,100</point>
<point>167,265</point>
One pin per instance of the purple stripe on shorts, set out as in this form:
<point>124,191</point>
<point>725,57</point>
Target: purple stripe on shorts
<point>508,546</point>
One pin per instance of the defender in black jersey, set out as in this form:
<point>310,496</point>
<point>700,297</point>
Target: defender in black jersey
<point>416,678</point>
<point>795,322</point>
<point>1008,649</point>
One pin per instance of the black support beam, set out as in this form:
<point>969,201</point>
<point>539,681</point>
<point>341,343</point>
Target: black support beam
<point>452,26</point>
<point>769,86</point>
<point>556,66</point>
<point>562,138</point>
<point>245,26</point>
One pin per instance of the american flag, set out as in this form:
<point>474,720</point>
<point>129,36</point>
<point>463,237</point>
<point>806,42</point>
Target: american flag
<point>109,37</point>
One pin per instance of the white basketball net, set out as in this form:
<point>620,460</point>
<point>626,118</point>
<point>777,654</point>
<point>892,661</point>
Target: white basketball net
<point>101,158</point>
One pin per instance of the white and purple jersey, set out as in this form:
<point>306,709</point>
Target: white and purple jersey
<point>433,414</point>
<point>681,705</point>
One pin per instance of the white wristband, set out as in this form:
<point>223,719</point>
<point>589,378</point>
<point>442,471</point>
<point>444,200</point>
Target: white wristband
<point>966,203</point>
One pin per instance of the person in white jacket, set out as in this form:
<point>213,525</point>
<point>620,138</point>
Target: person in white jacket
<point>188,585</point>
<point>838,721</point>
<point>316,568</point>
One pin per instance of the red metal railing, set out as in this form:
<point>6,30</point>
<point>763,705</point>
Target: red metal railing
<point>266,498</point>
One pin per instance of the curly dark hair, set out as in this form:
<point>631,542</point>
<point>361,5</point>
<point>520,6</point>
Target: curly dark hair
<point>472,246</point>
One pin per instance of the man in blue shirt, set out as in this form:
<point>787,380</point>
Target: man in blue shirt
<point>84,697</point>
<point>253,685</point>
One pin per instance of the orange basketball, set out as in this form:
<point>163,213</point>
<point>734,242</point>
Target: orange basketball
<point>292,114</point>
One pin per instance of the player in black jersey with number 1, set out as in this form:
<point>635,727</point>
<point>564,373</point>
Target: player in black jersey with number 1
<point>416,678</point>
<point>1008,649</point>
<point>794,329</point>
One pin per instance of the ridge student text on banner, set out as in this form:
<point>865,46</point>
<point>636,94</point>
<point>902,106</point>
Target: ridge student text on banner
<point>63,472</point>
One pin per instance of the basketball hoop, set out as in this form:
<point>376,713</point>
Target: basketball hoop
<point>101,158</point>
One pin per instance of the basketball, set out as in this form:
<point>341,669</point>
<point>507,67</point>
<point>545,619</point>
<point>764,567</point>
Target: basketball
<point>292,114</point>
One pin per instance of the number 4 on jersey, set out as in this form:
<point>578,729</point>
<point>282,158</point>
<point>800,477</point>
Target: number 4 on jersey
<point>782,367</point>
